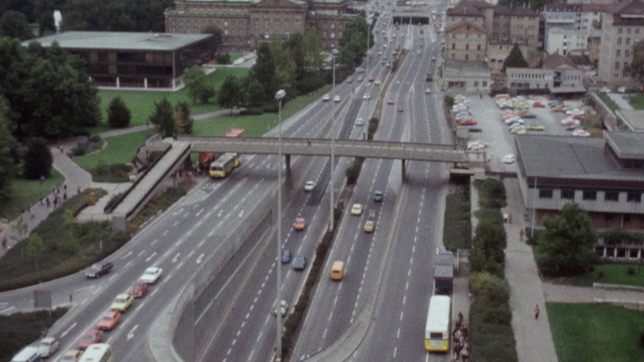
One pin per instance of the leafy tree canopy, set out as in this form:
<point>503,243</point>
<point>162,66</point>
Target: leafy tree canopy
<point>163,117</point>
<point>38,160</point>
<point>15,25</point>
<point>230,93</point>
<point>6,161</point>
<point>636,68</point>
<point>515,59</point>
<point>115,15</point>
<point>118,115</point>
<point>567,242</point>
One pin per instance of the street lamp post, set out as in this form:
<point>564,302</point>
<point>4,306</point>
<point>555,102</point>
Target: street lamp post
<point>278,295</point>
<point>334,52</point>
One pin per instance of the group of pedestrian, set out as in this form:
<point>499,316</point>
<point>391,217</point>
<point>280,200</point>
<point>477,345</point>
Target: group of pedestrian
<point>57,196</point>
<point>461,340</point>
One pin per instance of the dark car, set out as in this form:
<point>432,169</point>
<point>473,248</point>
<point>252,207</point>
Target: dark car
<point>377,196</point>
<point>299,263</point>
<point>475,129</point>
<point>98,269</point>
<point>286,256</point>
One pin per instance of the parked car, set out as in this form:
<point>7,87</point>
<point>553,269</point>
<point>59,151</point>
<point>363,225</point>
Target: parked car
<point>47,347</point>
<point>509,159</point>
<point>98,269</point>
<point>538,105</point>
<point>151,275</point>
<point>468,122</point>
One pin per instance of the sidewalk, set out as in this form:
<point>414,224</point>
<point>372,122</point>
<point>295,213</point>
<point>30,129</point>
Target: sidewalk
<point>533,337</point>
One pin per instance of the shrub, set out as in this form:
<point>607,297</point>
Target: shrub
<point>642,336</point>
<point>222,58</point>
<point>630,271</point>
<point>80,149</point>
<point>252,111</point>
<point>600,274</point>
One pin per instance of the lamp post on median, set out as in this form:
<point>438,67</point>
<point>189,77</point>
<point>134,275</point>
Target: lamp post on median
<point>334,52</point>
<point>278,295</point>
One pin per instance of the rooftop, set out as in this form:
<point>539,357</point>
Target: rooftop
<point>119,40</point>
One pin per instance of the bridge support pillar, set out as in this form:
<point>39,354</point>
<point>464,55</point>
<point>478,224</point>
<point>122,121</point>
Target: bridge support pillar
<point>287,159</point>
<point>404,172</point>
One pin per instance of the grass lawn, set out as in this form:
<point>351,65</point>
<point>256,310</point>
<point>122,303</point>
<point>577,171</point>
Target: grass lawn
<point>141,103</point>
<point>613,274</point>
<point>120,149</point>
<point>25,191</point>
<point>637,101</point>
<point>595,333</point>
<point>608,102</point>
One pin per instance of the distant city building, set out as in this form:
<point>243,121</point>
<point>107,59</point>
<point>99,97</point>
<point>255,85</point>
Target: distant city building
<point>557,74</point>
<point>622,27</point>
<point>138,60</point>
<point>248,23</point>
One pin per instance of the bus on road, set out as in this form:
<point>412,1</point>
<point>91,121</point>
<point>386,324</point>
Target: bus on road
<point>97,352</point>
<point>224,165</point>
<point>437,329</point>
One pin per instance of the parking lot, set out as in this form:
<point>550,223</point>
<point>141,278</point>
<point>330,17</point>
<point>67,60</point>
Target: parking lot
<point>496,134</point>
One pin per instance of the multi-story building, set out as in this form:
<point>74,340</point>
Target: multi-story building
<point>466,42</point>
<point>566,42</point>
<point>602,175</point>
<point>564,17</point>
<point>247,23</point>
<point>557,75</point>
<point>622,27</point>
<point>515,25</point>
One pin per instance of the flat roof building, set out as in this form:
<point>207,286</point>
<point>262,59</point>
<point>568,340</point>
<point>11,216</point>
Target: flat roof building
<point>139,60</point>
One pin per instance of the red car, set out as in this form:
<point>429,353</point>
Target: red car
<point>400,108</point>
<point>110,320</point>
<point>360,79</point>
<point>371,78</point>
<point>468,122</point>
<point>391,101</point>
<point>579,116</point>
<point>139,289</point>
<point>538,105</point>
<point>90,337</point>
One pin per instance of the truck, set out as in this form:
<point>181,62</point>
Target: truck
<point>444,272</point>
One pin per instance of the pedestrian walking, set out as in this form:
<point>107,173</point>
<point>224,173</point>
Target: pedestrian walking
<point>65,196</point>
<point>536,312</point>
<point>4,243</point>
<point>78,190</point>
<point>65,187</point>
<point>41,201</point>
<point>55,202</point>
<point>47,200</point>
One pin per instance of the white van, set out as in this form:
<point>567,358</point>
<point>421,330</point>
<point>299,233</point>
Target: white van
<point>27,354</point>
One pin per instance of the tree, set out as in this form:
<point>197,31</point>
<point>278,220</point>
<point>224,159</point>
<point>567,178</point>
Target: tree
<point>163,117</point>
<point>636,68</point>
<point>15,25</point>
<point>38,160</point>
<point>218,33</point>
<point>255,94</point>
<point>118,115</point>
<point>354,41</point>
<point>6,161</point>
<point>182,120</point>
<point>515,59</point>
<point>198,88</point>
<point>34,247</point>
<point>264,71</point>
<point>230,93</point>
<point>567,242</point>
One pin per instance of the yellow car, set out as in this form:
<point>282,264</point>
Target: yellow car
<point>122,302</point>
<point>377,82</point>
<point>356,209</point>
<point>536,128</point>
<point>73,355</point>
<point>369,226</point>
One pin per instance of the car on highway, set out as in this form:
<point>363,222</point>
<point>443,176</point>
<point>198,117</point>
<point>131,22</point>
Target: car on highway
<point>139,289</point>
<point>356,209</point>
<point>151,275</point>
<point>299,263</point>
<point>300,224</point>
<point>48,346</point>
<point>336,99</point>
<point>309,186</point>
<point>360,78</point>
<point>98,269</point>
<point>109,320</point>
<point>326,98</point>
<point>433,59</point>
<point>377,82</point>
<point>90,337</point>
<point>366,97</point>
<point>360,122</point>
<point>349,80</point>
<point>286,256</point>
<point>509,159</point>
<point>419,52</point>
<point>378,196</point>
<point>391,101</point>
<point>428,90</point>
<point>369,225</point>
<point>475,129</point>
<point>400,108</point>
<point>283,308</point>
<point>371,78</point>
<point>122,302</point>
<point>72,355</point>
<point>361,70</point>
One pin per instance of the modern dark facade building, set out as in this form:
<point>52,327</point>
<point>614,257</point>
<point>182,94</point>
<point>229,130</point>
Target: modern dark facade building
<point>136,60</point>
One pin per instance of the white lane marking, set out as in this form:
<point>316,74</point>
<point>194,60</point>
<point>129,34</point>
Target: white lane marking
<point>68,330</point>
<point>150,257</point>
<point>165,232</point>
<point>96,290</point>
<point>131,334</point>
<point>126,255</point>
<point>200,258</point>
<point>176,257</point>
<point>154,241</point>
<point>141,253</point>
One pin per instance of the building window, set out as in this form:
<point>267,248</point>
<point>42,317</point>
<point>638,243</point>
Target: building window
<point>619,41</point>
<point>627,53</point>
<point>628,41</point>
<point>608,217</point>
<point>590,195</point>
<point>628,30</point>
<point>545,193</point>
<point>627,218</point>
<point>618,53</point>
<point>634,197</point>
<point>619,30</point>
<point>568,194</point>
<point>611,196</point>
<point>616,65</point>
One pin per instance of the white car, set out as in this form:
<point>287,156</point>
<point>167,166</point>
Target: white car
<point>151,275</point>
<point>476,145</point>
<point>326,97</point>
<point>309,186</point>
<point>359,122</point>
<point>509,159</point>
<point>283,308</point>
<point>48,346</point>
<point>356,210</point>
<point>336,99</point>
<point>366,97</point>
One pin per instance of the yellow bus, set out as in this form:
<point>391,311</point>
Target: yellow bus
<point>437,329</point>
<point>97,352</point>
<point>223,165</point>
